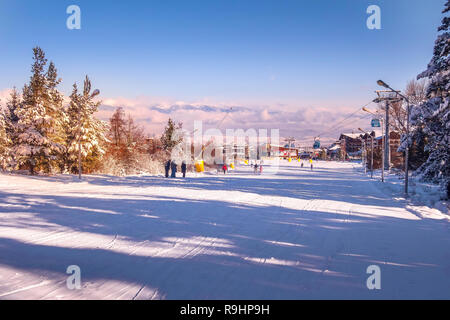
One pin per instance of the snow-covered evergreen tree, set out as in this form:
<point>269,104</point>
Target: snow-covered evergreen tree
<point>55,111</point>
<point>34,146</point>
<point>70,133</point>
<point>84,129</point>
<point>169,138</point>
<point>5,143</point>
<point>431,119</point>
<point>9,126</point>
<point>10,112</point>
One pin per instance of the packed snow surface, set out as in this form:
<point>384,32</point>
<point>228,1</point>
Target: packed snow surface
<point>296,234</point>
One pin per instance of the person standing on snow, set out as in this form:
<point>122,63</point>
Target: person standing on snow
<point>225,169</point>
<point>167,167</point>
<point>183,168</point>
<point>311,161</point>
<point>256,168</point>
<point>173,167</point>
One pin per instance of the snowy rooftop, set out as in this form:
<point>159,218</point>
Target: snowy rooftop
<point>336,147</point>
<point>351,135</point>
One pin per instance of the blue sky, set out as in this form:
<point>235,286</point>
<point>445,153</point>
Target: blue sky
<point>272,54</point>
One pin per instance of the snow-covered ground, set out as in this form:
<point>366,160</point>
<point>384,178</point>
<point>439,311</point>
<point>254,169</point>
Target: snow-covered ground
<point>292,235</point>
<point>420,194</point>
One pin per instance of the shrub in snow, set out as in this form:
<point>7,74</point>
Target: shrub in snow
<point>145,164</point>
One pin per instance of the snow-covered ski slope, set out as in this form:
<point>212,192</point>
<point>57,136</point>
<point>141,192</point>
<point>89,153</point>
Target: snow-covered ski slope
<point>294,235</point>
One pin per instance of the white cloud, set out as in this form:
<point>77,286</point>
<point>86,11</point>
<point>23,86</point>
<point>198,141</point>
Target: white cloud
<point>303,123</point>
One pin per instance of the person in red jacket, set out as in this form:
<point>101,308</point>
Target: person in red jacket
<point>225,169</point>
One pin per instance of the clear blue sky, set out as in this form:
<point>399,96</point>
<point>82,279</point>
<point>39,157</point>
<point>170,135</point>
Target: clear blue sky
<point>243,50</point>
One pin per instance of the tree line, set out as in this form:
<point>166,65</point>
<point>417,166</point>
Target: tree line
<point>41,133</point>
<point>429,138</point>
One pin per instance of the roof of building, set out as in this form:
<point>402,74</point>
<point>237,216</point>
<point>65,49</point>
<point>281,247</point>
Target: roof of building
<point>335,147</point>
<point>351,135</point>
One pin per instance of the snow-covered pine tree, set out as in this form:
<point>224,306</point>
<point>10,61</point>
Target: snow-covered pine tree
<point>84,129</point>
<point>55,111</point>
<point>5,142</point>
<point>416,92</point>
<point>432,117</point>
<point>71,118</point>
<point>169,138</point>
<point>10,121</point>
<point>34,147</point>
<point>10,112</point>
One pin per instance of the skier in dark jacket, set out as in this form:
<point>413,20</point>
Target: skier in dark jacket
<point>167,167</point>
<point>173,167</point>
<point>183,168</point>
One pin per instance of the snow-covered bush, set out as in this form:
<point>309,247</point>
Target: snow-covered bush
<point>145,164</point>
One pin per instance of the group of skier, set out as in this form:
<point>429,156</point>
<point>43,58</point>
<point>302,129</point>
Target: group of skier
<point>172,167</point>
<point>311,162</point>
<point>257,167</point>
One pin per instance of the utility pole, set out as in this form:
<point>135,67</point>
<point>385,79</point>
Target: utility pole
<point>363,154</point>
<point>382,139</point>
<point>371,152</point>
<point>387,151</point>
<point>408,110</point>
<point>387,97</point>
<point>371,157</point>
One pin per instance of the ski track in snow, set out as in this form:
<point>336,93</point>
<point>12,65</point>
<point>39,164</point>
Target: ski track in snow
<point>296,234</point>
